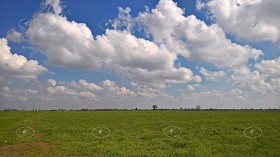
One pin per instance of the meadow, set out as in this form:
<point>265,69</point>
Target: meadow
<point>140,133</point>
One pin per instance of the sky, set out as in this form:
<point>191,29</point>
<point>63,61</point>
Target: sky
<point>128,54</point>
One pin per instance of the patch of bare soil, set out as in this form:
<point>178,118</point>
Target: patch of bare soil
<point>24,149</point>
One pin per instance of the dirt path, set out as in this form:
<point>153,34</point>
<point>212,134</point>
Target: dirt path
<point>24,149</point>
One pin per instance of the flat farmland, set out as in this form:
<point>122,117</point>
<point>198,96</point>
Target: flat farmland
<point>140,133</point>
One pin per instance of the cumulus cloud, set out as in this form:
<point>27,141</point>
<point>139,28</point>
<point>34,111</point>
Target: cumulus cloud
<point>13,65</point>
<point>75,90</point>
<point>51,90</point>
<point>52,82</point>
<point>80,92</point>
<point>264,79</point>
<point>64,95</point>
<point>250,80</point>
<point>5,91</point>
<point>84,85</point>
<point>190,88</point>
<point>124,20</point>
<point>213,76</point>
<point>255,20</point>
<point>270,71</point>
<point>149,62</point>
<point>87,95</point>
<point>112,89</point>
<point>14,36</point>
<point>269,68</point>
<point>16,94</point>
<point>53,4</point>
<point>65,43</point>
<point>71,44</point>
<point>192,38</point>
<point>145,91</point>
<point>145,61</point>
<point>59,90</point>
<point>199,5</point>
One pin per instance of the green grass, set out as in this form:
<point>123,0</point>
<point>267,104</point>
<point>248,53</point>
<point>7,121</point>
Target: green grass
<point>139,133</point>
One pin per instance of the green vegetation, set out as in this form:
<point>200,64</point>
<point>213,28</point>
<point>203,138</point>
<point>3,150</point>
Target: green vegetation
<point>140,133</point>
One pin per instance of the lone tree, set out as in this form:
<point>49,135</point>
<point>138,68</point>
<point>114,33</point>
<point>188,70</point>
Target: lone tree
<point>155,107</point>
<point>198,107</point>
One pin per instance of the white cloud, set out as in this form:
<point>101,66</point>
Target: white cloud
<point>264,79</point>
<point>14,36</point>
<point>123,91</point>
<point>124,20</point>
<point>199,5</point>
<point>52,90</point>
<point>60,90</point>
<point>13,65</point>
<point>213,76</point>
<point>190,88</point>
<point>255,20</point>
<point>216,96</point>
<point>5,91</point>
<point>71,44</point>
<point>15,95</point>
<point>62,95</point>
<point>250,80</point>
<point>55,5</point>
<point>85,86</point>
<point>270,71</point>
<point>112,89</point>
<point>144,61</point>
<point>65,43</point>
<point>107,90</point>
<point>269,68</point>
<point>192,38</point>
<point>134,84</point>
<point>52,82</point>
<point>150,64</point>
<point>52,94</point>
<point>275,82</point>
<point>145,91</point>
<point>88,95</point>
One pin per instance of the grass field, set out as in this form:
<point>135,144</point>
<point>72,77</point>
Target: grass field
<point>140,133</point>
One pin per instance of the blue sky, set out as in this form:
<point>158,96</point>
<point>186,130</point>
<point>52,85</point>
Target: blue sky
<point>128,54</point>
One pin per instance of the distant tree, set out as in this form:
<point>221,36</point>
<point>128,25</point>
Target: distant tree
<point>155,107</point>
<point>181,108</point>
<point>197,107</point>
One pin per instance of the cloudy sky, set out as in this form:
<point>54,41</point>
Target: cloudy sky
<point>127,54</point>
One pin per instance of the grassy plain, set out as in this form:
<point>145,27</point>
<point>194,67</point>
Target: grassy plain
<point>140,133</point>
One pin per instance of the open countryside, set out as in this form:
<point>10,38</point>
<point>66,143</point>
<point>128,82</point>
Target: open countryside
<point>140,133</point>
